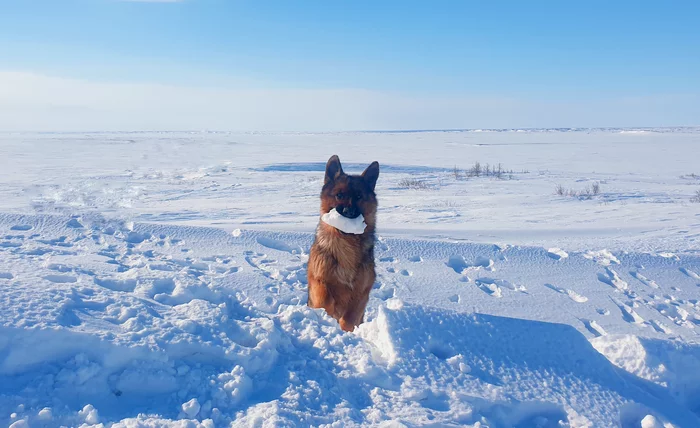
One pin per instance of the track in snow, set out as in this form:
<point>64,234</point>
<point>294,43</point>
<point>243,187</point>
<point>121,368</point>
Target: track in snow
<point>142,318</point>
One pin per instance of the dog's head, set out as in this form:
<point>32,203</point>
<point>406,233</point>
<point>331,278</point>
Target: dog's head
<point>350,195</point>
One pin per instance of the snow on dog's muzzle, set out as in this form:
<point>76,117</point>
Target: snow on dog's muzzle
<point>355,226</point>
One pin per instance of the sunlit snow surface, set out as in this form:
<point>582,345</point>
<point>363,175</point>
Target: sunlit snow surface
<point>158,279</point>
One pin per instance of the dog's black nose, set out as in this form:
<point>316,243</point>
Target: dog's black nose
<point>349,212</point>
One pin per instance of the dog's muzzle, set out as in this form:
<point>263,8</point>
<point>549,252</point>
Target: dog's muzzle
<point>348,212</point>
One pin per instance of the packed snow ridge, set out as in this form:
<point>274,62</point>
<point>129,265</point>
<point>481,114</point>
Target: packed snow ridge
<point>153,325</point>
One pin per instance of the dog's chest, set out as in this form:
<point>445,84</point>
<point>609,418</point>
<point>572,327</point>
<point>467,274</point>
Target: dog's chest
<point>348,258</point>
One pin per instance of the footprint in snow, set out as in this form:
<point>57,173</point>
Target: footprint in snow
<point>273,288</point>
<point>611,278</point>
<point>490,289</point>
<point>279,245</point>
<point>60,267</point>
<point>21,227</point>
<point>6,275</point>
<point>61,279</point>
<point>594,327</point>
<point>602,257</point>
<point>136,237</point>
<point>660,327</point>
<point>405,272</point>
<point>674,313</point>
<point>690,273</point>
<point>628,314</point>
<point>489,286</point>
<point>163,267</point>
<point>74,223</point>
<point>10,244</point>
<point>483,262</point>
<point>162,286</point>
<point>385,293</point>
<point>505,284</point>
<point>644,280</point>
<point>381,244</point>
<point>669,256</point>
<point>116,284</point>
<point>58,242</point>
<point>578,298</point>
<point>459,265</point>
<point>415,259</point>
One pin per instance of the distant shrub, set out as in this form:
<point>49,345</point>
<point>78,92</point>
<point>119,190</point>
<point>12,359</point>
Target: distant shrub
<point>696,197</point>
<point>586,193</point>
<point>478,170</point>
<point>446,203</point>
<point>412,183</point>
<point>475,171</point>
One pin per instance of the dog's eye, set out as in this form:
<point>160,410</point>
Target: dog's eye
<point>358,196</point>
<point>339,195</point>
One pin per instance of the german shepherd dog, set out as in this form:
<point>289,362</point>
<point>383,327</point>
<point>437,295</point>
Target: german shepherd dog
<point>341,265</point>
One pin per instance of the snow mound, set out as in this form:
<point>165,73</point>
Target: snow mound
<point>602,257</point>
<point>672,365</point>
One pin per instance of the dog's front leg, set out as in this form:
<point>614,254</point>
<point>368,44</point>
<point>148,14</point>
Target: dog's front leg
<point>355,314</point>
<point>319,297</point>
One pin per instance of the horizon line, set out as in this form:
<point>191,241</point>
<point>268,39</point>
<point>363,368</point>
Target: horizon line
<point>376,131</point>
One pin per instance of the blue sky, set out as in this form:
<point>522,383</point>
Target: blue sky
<point>545,55</point>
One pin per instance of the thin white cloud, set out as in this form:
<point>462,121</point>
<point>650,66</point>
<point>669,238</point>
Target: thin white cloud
<point>35,102</point>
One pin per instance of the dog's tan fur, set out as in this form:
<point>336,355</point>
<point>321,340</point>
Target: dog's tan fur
<point>341,266</point>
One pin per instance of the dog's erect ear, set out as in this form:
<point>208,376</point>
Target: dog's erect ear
<point>333,169</point>
<point>371,174</point>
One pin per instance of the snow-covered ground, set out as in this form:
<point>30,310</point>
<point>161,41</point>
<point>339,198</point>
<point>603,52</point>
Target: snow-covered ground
<point>158,279</point>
